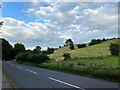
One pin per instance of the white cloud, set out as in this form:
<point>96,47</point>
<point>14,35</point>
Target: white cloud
<point>79,21</point>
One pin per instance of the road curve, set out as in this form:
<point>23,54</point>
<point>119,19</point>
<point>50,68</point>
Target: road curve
<point>32,77</point>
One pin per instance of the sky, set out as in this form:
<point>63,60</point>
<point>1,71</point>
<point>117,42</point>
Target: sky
<point>49,24</point>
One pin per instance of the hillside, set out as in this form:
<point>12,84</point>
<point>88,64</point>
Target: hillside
<point>95,51</point>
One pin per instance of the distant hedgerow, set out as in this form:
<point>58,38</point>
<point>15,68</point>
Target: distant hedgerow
<point>30,57</point>
<point>81,45</point>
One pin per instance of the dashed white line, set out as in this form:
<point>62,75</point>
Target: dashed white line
<point>18,67</point>
<point>66,83</point>
<point>31,71</point>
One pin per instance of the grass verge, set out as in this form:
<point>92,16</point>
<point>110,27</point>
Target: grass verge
<point>98,68</point>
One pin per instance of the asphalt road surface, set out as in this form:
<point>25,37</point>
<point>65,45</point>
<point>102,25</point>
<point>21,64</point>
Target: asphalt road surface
<point>32,77</point>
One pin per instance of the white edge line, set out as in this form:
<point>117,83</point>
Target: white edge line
<point>66,83</point>
<point>31,71</point>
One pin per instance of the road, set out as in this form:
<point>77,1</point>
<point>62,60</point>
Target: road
<point>32,77</point>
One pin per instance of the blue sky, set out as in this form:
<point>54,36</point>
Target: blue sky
<point>15,10</point>
<point>49,24</point>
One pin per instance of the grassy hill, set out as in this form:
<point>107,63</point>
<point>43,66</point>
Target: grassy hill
<point>95,51</point>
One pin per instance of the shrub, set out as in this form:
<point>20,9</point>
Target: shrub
<point>72,47</point>
<point>22,56</point>
<point>34,58</point>
<point>81,45</point>
<point>39,58</point>
<point>114,49</point>
<point>66,56</point>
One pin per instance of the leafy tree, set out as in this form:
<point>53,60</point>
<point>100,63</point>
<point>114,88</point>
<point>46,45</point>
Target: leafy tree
<point>60,47</point>
<point>103,39</point>
<point>50,50</point>
<point>37,49</point>
<point>114,49</point>
<point>19,48</point>
<point>72,47</point>
<point>68,42</point>
<point>6,50</point>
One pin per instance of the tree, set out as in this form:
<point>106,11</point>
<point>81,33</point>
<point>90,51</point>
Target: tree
<point>19,48</point>
<point>94,41</point>
<point>50,50</point>
<point>72,47</point>
<point>6,50</point>
<point>114,49</point>
<point>103,39</point>
<point>37,49</point>
<point>68,42</point>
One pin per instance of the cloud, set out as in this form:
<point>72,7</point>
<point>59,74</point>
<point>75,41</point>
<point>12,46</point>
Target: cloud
<point>30,34</point>
<point>57,21</point>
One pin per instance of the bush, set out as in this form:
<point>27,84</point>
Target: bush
<point>114,49</point>
<point>66,56</point>
<point>72,47</point>
<point>81,45</point>
<point>22,56</point>
<point>34,58</point>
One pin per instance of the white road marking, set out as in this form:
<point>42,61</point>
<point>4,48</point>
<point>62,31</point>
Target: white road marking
<point>31,71</point>
<point>18,67</point>
<point>66,83</point>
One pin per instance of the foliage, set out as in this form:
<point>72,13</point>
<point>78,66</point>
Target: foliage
<point>72,47</point>
<point>114,49</point>
<point>37,49</point>
<point>18,47</point>
<point>1,23</point>
<point>60,47</point>
<point>94,41</point>
<point>104,40</point>
<point>68,42</point>
<point>66,56</point>
<point>81,45</point>
<point>6,50</point>
<point>50,50</point>
<point>33,58</point>
<point>44,52</point>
